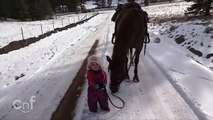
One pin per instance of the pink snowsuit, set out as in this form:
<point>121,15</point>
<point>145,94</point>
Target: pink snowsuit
<point>95,95</point>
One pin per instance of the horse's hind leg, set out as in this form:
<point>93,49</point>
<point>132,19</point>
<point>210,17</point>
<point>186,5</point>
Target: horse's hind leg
<point>137,55</point>
<point>131,56</point>
<point>127,74</point>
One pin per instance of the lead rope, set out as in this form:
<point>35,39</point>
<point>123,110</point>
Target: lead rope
<point>119,107</point>
<point>147,40</point>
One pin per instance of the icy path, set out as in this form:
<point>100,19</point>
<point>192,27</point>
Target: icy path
<point>152,98</point>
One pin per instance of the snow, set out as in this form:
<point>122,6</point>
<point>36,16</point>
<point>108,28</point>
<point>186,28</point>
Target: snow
<point>183,72</point>
<point>174,82</point>
<point>12,31</point>
<point>167,10</point>
<point>185,68</point>
<point>90,4</point>
<point>191,80</point>
<point>47,67</point>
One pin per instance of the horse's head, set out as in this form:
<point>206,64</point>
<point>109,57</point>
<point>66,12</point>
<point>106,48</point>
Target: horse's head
<point>117,73</point>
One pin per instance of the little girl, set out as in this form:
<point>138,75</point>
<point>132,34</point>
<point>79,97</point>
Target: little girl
<point>97,81</point>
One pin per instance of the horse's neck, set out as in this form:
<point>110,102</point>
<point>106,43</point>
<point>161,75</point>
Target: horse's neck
<point>120,52</point>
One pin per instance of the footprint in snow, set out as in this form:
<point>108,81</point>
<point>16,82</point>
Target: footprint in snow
<point>20,76</point>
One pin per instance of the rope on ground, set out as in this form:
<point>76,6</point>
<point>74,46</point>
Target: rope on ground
<point>119,107</point>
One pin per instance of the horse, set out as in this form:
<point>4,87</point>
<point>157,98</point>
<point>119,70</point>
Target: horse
<point>130,29</point>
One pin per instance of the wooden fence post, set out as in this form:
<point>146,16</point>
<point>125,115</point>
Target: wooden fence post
<point>22,33</point>
<point>53,25</point>
<point>41,29</point>
<point>62,24</point>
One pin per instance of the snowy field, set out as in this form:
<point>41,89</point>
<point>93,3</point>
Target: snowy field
<point>175,83</point>
<point>167,10</point>
<point>90,4</point>
<point>12,31</point>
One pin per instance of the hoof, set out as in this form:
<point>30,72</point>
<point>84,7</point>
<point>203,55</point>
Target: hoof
<point>127,80</point>
<point>136,79</point>
<point>114,89</point>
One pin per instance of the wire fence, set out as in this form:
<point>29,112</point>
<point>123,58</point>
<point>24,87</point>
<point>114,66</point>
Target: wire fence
<point>34,29</point>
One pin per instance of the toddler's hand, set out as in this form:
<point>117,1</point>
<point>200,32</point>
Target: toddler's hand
<point>100,86</point>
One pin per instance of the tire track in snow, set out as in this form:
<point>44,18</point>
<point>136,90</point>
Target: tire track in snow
<point>197,111</point>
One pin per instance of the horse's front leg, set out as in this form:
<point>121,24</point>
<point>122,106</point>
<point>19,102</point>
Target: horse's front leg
<point>131,56</point>
<point>137,55</point>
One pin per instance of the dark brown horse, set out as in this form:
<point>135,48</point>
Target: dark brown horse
<point>131,28</point>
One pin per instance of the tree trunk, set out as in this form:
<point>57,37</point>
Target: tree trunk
<point>146,2</point>
<point>208,7</point>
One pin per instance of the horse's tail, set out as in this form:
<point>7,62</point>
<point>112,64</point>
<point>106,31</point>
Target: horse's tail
<point>146,37</point>
<point>144,17</point>
<point>113,37</point>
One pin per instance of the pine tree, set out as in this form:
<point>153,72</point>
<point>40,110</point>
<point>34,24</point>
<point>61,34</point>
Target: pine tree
<point>82,1</point>
<point>146,2</point>
<point>1,8</point>
<point>71,4</point>
<point>54,4</point>
<point>109,3</point>
<point>5,8</point>
<point>45,10</point>
<point>19,9</point>
<point>32,9</point>
<point>39,9</point>
<point>200,6</point>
